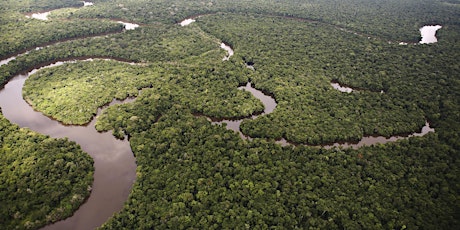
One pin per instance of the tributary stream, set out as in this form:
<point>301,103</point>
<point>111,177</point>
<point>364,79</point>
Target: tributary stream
<point>270,105</point>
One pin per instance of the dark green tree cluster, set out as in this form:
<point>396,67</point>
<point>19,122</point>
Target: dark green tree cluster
<point>71,93</point>
<point>206,91</point>
<point>192,174</point>
<point>295,62</point>
<point>147,44</point>
<point>22,34</point>
<point>391,19</point>
<point>37,5</point>
<point>42,180</point>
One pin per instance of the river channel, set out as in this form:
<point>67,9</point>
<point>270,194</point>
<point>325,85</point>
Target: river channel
<point>114,162</point>
<point>115,167</point>
<point>270,105</point>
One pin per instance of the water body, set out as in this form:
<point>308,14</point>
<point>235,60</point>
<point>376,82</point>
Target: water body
<point>228,49</point>
<point>115,167</point>
<point>44,16</point>
<point>224,46</point>
<point>368,141</point>
<point>270,105</point>
<point>40,16</point>
<point>187,22</point>
<point>114,161</point>
<point>6,61</point>
<point>428,34</point>
<point>128,25</point>
<point>340,88</point>
<point>87,3</point>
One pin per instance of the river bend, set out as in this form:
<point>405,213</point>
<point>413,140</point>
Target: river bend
<point>115,167</point>
<point>114,162</point>
<point>270,105</point>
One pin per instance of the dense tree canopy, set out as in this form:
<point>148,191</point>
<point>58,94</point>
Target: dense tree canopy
<point>42,180</point>
<point>195,174</point>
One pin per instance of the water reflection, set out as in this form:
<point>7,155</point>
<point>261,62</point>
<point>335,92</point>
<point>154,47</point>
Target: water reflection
<point>87,3</point>
<point>428,34</point>
<point>270,105</point>
<point>340,88</point>
<point>228,49</point>
<point>40,16</point>
<point>128,25</point>
<point>187,22</point>
<point>115,168</point>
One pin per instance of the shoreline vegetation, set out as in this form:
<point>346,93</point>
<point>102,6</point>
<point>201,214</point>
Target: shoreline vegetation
<point>193,174</point>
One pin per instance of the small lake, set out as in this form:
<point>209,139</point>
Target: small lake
<point>428,34</point>
<point>187,22</point>
<point>40,16</point>
<point>88,3</point>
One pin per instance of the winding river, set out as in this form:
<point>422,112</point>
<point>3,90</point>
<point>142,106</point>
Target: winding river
<point>224,46</point>
<point>114,162</point>
<point>115,166</point>
<point>270,105</point>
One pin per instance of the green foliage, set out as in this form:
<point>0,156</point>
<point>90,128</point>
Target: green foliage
<point>42,180</point>
<point>309,110</point>
<point>21,34</point>
<point>397,20</point>
<point>150,43</point>
<point>37,5</point>
<point>71,93</point>
<point>192,174</point>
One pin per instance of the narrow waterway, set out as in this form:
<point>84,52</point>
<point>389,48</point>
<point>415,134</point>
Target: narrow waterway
<point>270,105</point>
<point>87,3</point>
<point>340,88</point>
<point>115,167</point>
<point>187,22</point>
<point>229,51</point>
<point>127,25</point>
<point>268,102</point>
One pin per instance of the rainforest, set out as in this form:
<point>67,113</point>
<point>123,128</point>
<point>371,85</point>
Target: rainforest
<point>229,114</point>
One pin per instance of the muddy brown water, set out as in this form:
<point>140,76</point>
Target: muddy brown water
<point>115,166</point>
